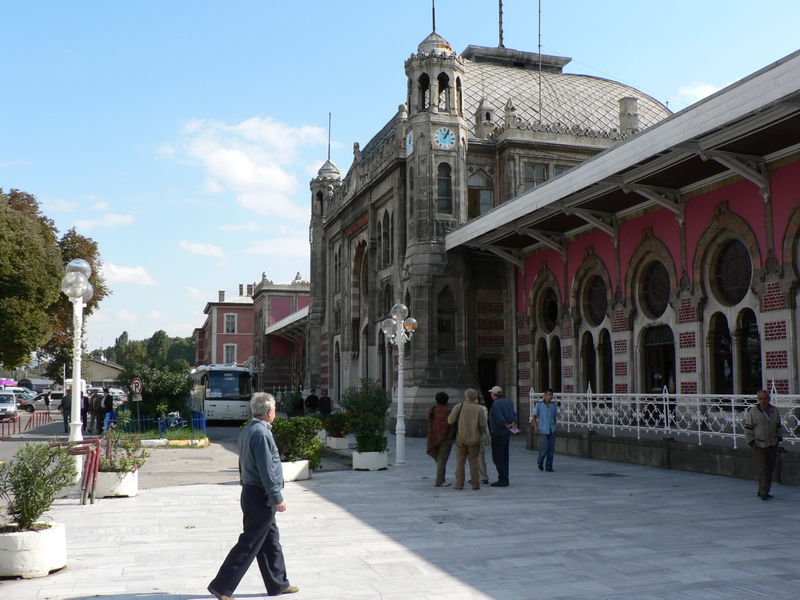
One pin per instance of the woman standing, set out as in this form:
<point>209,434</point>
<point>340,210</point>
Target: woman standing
<point>471,421</point>
<point>439,441</point>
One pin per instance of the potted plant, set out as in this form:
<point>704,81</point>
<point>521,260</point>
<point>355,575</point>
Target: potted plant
<point>300,448</point>
<point>120,461</point>
<point>29,484</point>
<point>337,426</point>
<point>366,407</point>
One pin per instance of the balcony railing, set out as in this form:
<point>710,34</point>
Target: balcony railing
<point>700,418</point>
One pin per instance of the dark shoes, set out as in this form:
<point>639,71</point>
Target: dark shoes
<point>541,468</point>
<point>765,496</point>
<point>485,481</point>
<point>499,484</point>
<point>219,595</point>
<point>550,470</point>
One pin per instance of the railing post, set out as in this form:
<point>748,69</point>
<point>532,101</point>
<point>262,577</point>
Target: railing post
<point>699,419</point>
<point>589,404</point>
<point>638,418</point>
<point>665,401</point>
<point>733,421</point>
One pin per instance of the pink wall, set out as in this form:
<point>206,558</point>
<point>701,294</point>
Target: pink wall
<point>303,300</point>
<point>785,189</point>
<point>279,308</point>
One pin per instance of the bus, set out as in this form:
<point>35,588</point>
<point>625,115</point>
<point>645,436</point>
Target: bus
<point>222,392</point>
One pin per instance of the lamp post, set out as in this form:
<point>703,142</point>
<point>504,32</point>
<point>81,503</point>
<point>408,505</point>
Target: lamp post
<point>77,288</point>
<point>399,329</point>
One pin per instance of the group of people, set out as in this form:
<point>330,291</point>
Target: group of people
<point>93,410</point>
<point>473,429</point>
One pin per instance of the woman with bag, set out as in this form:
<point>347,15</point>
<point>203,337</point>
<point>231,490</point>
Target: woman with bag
<point>471,422</point>
<point>439,438</point>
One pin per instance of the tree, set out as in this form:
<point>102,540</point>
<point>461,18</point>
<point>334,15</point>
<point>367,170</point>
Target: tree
<point>30,275</point>
<point>157,347</point>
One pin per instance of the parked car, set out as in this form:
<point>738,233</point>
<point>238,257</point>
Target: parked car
<point>8,404</point>
<point>38,402</point>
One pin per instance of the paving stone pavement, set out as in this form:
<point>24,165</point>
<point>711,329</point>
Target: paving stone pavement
<point>590,530</point>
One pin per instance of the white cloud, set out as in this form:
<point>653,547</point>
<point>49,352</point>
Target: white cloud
<point>154,315</point>
<point>196,294</point>
<point>252,226</point>
<point>117,274</point>
<point>281,246</point>
<point>107,220</point>
<point>691,93</point>
<point>59,205</point>
<point>202,248</point>
<point>254,159</point>
<point>99,206</point>
<point>16,162</point>
<point>126,315</point>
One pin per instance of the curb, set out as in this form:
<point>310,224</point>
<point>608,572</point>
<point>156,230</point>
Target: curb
<point>163,443</point>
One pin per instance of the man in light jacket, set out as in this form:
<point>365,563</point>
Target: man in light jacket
<point>763,430</point>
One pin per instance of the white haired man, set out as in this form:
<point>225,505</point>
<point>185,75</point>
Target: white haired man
<point>261,477</point>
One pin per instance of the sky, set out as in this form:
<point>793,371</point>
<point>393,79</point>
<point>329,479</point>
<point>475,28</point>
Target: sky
<point>181,136</point>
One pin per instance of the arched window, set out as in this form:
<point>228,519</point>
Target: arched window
<point>446,321</point>
<point>588,362</point>
<point>555,363</point>
<point>542,366</point>
<point>410,194</point>
<point>548,310</point>
<point>391,238</point>
<point>444,189</point>
<point>595,301</point>
<point>319,203</point>
<point>443,103</point>
<point>380,244</point>
<point>749,353</point>
<point>424,89</point>
<point>659,359</point>
<point>480,194</point>
<point>721,349</point>
<point>606,357</point>
<point>459,98</point>
<point>386,242</point>
<point>655,289</point>
<point>733,270</point>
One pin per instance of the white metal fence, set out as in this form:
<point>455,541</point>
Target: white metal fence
<point>700,418</point>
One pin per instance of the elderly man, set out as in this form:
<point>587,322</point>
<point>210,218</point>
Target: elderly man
<point>261,477</point>
<point>763,431</point>
<point>502,420</point>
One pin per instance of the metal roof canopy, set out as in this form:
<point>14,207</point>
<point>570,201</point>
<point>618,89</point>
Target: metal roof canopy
<point>290,328</point>
<point>735,131</point>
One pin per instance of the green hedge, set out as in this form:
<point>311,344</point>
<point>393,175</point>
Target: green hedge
<point>297,439</point>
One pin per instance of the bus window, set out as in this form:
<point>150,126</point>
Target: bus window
<point>228,385</point>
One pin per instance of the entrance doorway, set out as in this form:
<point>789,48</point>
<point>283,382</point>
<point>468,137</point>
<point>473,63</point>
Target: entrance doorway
<point>487,378</point>
<point>659,360</point>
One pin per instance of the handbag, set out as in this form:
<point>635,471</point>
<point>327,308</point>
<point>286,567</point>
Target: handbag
<point>454,426</point>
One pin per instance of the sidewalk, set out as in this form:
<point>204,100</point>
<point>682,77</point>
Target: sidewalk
<point>591,530</point>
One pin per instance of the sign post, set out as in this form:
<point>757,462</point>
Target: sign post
<point>136,388</point>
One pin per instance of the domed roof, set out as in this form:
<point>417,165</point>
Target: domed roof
<point>433,43</point>
<point>579,104</point>
<point>328,171</point>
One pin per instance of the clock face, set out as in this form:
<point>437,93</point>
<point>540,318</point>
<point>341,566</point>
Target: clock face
<point>444,138</point>
<point>409,143</point>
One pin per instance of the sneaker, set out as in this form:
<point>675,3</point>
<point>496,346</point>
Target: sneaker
<point>445,484</point>
<point>292,589</point>
<point>219,595</point>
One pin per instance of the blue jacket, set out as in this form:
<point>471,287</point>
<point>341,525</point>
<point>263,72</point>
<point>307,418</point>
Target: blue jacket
<point>502,412</point>
<point>260,461</point>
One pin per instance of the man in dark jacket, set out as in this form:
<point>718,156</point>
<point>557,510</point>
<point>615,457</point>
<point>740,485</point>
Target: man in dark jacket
<point>66,409</point>
<point>502,420</point>
<point>261,477</point>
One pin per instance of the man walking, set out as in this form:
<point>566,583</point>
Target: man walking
<point>261,477</point>
<point>544,423</point>
<point>763,431</point>
<point>501,420</point>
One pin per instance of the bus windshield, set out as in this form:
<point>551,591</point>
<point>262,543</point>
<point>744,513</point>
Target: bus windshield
<point>230,385</point>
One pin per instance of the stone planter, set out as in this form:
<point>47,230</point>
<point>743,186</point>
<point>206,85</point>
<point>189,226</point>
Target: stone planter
<point>338,443</point>
<point>370,461</point>
<point>112,484</point>
<point>33,553</point>
<point>296,471</point>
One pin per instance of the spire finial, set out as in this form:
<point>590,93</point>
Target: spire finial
<point>329,136</point>
<point>433,14</point>
<point>500,7</point>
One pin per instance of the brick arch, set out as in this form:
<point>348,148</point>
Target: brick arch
<point>790,243</point>
<point>544,279</point>
<point>649,248</point>
<point>591,265</point>
<point>725,226</point>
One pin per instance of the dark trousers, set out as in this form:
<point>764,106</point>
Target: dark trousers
<point>547,446</point>
<point>259,540</point>
<point>66,416</point>
<point>764,460</point>
<point>442,454</point>
<point>500,444</point>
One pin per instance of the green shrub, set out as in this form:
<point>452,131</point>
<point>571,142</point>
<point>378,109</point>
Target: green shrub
<point>366,406</point>
<point>336,424</point>
<point>123,451</point>
<point>297,439</point>
<point>29,484</point>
